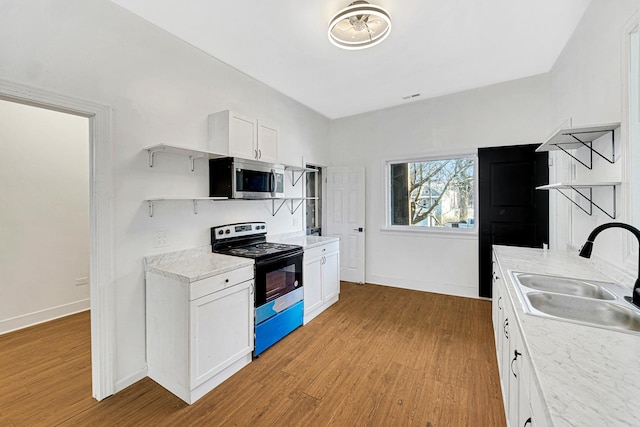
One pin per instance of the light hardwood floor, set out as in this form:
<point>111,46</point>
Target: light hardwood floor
<point>381,356</point>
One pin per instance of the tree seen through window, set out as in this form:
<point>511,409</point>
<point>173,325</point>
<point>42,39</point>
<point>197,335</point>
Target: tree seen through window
<point>433,193</point>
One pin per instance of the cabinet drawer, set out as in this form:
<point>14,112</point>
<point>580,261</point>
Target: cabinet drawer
<point>318,251</point>
<point>215,283</point>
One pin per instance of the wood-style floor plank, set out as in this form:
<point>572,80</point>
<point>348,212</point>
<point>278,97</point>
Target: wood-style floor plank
<point>381,356</point>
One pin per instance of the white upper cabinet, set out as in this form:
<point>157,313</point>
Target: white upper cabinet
<point>267,142</point>
<point>232,134</point>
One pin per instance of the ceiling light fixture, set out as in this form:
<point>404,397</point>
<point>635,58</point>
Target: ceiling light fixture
<point>359,25</point>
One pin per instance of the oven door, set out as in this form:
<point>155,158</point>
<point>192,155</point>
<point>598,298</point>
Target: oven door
<point>277,276</point>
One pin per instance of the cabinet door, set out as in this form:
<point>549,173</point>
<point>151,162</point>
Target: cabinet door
<point>243,134</point>
<point>496,304</point>
<point>267,142</point>
<point>330,276</point>
<point>312,284</point>
<point>221,330</point>
<point>504,344</point>
<point>537,408</point>
<point>515,374</point>
<point>525,418</point>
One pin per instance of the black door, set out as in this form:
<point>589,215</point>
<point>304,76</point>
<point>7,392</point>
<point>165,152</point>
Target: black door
<point>511,211</point>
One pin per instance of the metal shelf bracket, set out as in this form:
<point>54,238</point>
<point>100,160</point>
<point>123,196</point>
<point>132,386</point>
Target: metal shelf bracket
<point>292,209</point>
<point>152,156</point>
<point>589,198</point>
<point>275,210</point>
<point>302,171</point>
<point>295,180</point>
<point>592,150</point>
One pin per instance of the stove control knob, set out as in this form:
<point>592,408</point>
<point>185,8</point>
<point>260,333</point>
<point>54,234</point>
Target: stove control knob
<point>227,231</point>
<point>220,232</point>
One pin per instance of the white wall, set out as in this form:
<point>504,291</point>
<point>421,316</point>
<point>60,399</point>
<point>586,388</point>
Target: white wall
<point>44,220</point>
<point>509,113</point>
<point>587,86</point>
<point>161,90</point>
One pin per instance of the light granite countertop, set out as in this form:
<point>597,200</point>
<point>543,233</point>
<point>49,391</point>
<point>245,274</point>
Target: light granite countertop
<point>587,376</point>
<point>307,242</point>
<point>194,264</point>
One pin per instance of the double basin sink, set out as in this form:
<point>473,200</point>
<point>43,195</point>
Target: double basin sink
<point>582,301</point>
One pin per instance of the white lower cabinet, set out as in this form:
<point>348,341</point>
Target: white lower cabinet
<point>514,365</point>
<point>200,333</point>
<point>321,279</point>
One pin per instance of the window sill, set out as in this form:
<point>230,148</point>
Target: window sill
<point>444,232</point>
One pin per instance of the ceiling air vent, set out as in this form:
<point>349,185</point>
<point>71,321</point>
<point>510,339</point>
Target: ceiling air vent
<point>415,95</point>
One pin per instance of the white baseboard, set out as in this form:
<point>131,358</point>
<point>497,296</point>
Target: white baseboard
<point>31,319</point>
<point>424,286</point>
<point>131,379</point>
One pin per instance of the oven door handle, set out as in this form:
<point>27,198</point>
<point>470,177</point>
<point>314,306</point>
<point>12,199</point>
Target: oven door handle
<point>279,258</point>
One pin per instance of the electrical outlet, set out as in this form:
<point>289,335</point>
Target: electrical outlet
<point>82,281</point>
<point>160,239</point>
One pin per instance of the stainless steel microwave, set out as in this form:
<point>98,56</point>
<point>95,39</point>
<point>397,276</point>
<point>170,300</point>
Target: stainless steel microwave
<point>237,178</point>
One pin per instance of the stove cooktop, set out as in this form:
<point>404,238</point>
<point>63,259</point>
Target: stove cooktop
<point>248,240</point>
<point>259,250</point>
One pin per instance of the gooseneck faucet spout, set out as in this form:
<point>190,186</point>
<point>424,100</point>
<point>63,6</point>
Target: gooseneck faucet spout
<point>585,252</point>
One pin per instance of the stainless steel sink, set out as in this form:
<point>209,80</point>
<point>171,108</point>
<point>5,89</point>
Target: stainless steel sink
<point>564,285</point>
<point>587,302</point>
<point>599,312</point>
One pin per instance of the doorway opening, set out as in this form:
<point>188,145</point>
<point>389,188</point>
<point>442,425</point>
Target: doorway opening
<point>100,222</point>
<point>314,201</point>
<point>44,170</point>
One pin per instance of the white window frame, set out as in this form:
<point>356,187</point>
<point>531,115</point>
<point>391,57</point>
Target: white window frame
<point>420,230</point>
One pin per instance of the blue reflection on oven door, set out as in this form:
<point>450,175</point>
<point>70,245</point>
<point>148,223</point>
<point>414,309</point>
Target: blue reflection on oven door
<point>270,309</point>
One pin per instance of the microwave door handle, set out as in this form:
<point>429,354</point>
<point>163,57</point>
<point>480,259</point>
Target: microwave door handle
<point>273,181</point>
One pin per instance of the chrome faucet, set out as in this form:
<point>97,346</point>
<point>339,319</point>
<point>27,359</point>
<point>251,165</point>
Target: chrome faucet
<point>585,252</point>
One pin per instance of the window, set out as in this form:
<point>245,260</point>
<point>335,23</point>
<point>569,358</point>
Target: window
<point>432,193</point>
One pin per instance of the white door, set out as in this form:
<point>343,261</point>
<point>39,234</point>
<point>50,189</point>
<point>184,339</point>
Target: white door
<point>345,219</point>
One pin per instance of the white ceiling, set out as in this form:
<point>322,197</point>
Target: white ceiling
<point>436,47</point>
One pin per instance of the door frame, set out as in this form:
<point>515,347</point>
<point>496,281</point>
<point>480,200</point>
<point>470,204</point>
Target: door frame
<point>100,220</point>
<point>630,258</point>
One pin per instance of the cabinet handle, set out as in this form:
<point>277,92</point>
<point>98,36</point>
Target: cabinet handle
<point>528,422</point>
<point>255,154</point>
<point>499,299</point>
<point>226,280</point>
<point>505,327</point>
<point>259,154</point>
<point>516,353</point>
